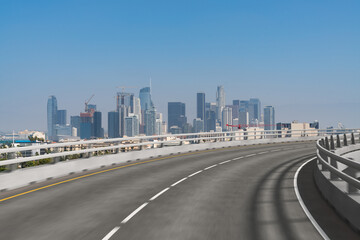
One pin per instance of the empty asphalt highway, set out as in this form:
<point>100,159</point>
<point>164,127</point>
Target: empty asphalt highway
<point>232,193</point>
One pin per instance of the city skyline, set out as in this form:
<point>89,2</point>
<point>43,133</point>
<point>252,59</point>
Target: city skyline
<point>301,59</point>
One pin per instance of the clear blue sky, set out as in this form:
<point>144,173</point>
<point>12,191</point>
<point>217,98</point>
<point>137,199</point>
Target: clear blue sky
<point>303,57</point>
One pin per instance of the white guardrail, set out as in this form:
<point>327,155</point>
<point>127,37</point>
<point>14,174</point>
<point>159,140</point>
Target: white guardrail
<point>337,176</point>
<point>16,157</point>
<point>329,159</point>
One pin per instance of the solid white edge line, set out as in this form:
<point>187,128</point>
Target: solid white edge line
<point>302,204</point>
<point>134,212</point>
<point>174,184</point>
<point>157,195</point>
<point>195,173</point>
<point>210,167</point>
<point>112,232</point>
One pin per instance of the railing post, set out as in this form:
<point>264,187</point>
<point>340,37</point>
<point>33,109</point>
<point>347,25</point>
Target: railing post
<point>352,138</point>
<point>327,143</point>
<point>345,140</point>
<point>12,167</point>
<point>90,154</point>
<point>332,145</point>
<point>338,142</point>
<point>55,159</point>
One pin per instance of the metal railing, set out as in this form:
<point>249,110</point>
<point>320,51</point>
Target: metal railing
<point>87,148</point>
<point>329,160</point>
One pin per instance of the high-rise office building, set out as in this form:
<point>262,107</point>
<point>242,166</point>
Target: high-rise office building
<point>98,133</point>
<point>269,118</point>
<point>220,102</point>
<point>256,109</point>
<point>226,118</point>
<point>86,125</point>
<point>200,105</point>
<point>51,117</point>
<point>113,124</point>
<point>210,120</point>
<point>75,122</point>
<point>131,125</point>
<point>61,117</point>
<point>145,98</point>
<point>150,121</point>
<point>176,114</point>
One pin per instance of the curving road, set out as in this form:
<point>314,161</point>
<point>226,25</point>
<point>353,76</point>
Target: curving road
<point>232,193</point>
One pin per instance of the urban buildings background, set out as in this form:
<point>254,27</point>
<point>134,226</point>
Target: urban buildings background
<point>134,116</point>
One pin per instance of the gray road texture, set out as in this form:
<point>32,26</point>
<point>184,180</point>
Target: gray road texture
<point>247,198</point>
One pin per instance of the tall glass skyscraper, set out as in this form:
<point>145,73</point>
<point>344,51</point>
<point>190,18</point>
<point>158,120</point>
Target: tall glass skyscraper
<point>220,102</point>
<point>200,101</point>
<point>51,117</point>
<point>176,114</point>
<point>269,118</point>
<point>145,99</point>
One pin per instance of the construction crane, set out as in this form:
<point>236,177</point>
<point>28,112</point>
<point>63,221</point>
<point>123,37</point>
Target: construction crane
<point>87,102</point>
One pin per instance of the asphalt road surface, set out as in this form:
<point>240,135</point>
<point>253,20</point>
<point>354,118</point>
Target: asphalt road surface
<point>233,193</point>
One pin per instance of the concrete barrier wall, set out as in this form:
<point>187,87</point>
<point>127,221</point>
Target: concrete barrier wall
<point>23,177</point>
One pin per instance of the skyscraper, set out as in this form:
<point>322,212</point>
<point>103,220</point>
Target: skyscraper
<point>256,105</point>
<point>97,125</point>
<point>176,114</point>
<point>150,121</point>
<point>51,117</point>
<point>269,118</point>
<point>145,98</point>
<point>226,118</point>
<point>86,125</point>
<point>220,102</point>
<point>200,100</point>
<point>75,122</point>
<point>131,126</point>
<point>113,124</point>
<point>61,117</point>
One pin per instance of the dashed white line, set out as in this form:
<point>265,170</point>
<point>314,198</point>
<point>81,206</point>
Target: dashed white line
<point>262,152</point>
<point>225,161</point>
<point>174,184</point>
<point>157,195</point>
<point>210,167</point>
<point>238,158</point>
<point>195,173</point>
<point>134,213</point>
<point>112,232</point>
<point>250,155</point>
<point>276,150</point>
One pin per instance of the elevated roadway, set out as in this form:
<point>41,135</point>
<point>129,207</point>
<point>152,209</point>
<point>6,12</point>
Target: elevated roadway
<point>233,193</point>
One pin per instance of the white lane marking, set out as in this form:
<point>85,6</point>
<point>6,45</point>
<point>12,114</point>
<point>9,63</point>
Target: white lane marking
<point>112,232</point>
<point>134,213</point>
<point>157,195</point>
<point>250,155</point>
<point>262,152</point>
<point>238,158</point>
<point>195,173</point>
<point>302,204</point>
<point>210,167</point>
<point>276,150</point>
<point>174,184</point>
<point>225,161</point>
